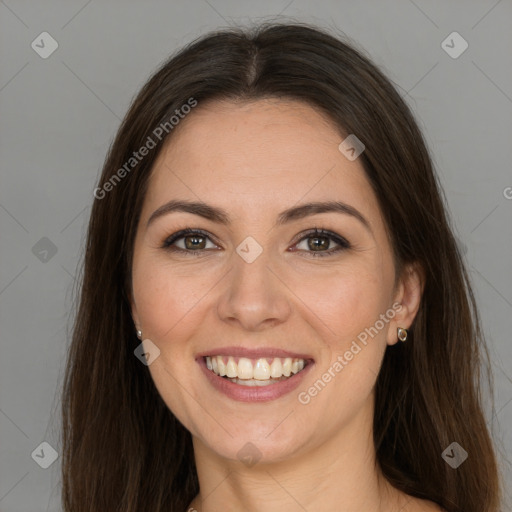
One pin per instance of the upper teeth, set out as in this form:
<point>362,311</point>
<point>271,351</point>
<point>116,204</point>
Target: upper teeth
<point>260,370</point>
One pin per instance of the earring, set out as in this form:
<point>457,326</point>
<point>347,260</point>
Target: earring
<point>139,334</point>
<point>402,334</point>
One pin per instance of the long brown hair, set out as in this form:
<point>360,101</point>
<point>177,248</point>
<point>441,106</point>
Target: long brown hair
<point>123,449</point>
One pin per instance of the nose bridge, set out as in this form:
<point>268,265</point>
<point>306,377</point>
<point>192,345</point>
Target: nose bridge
<point>252,279</point>
<point>251,263</point>
<point>253,294</point>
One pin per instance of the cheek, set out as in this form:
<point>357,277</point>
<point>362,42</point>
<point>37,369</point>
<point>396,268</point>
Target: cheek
<point>347,312</point>
<point>346,302</point>
<point>168,304</point>
<point>164,296</point>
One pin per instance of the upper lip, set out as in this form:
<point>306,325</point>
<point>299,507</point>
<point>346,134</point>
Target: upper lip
<point>253,353</point>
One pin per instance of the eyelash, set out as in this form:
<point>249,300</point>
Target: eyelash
<point>342,243</point>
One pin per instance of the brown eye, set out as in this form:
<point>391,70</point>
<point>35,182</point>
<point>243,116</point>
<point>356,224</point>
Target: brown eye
<point>318,243</point>
<point>194,241</point>
<point>319,240</point>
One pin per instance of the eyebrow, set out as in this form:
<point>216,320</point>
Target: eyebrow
<point>220,216</point>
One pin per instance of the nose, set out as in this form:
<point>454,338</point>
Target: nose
<point>255,296</point>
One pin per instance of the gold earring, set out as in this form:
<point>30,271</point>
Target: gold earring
<point>402,334</point>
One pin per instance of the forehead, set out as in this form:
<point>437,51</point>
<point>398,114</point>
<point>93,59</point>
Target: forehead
<point>257,158</point>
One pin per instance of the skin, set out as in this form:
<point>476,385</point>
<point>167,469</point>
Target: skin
<point>255,159</point>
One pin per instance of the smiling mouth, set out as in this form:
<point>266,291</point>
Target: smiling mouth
<point>255,372</point>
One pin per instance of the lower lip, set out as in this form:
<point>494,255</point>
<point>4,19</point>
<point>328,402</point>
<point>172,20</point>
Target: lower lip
<point>254,393</point>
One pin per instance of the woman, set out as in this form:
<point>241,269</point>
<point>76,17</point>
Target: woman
<point>274,311</point>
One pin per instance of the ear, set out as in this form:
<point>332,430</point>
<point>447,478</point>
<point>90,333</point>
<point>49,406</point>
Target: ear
<point>133,308</point>
<point>135,317</point>
<point>406,300</point>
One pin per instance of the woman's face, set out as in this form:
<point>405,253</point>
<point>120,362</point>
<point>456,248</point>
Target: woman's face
<point>256,283</point>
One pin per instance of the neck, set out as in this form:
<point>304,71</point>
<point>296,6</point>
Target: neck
<point>340,474</point>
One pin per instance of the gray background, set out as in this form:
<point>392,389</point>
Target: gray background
<point>58,116</point>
